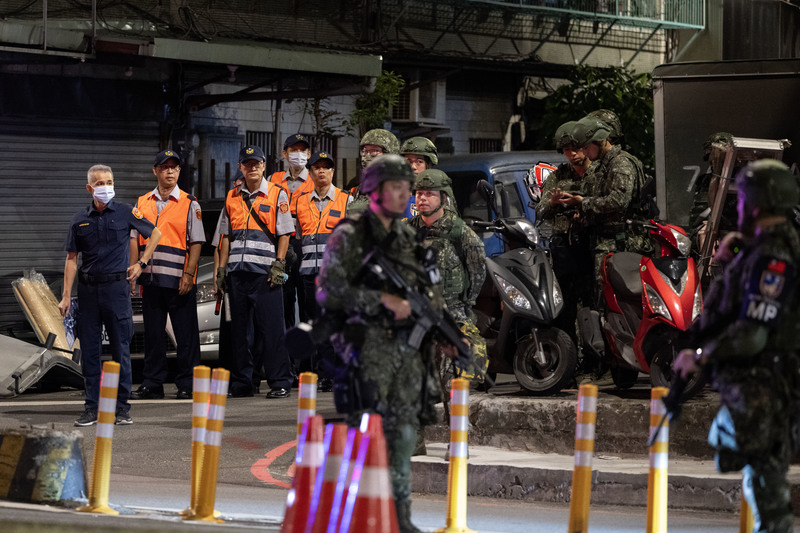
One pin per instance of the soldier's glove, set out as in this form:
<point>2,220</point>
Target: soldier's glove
<point>221,284</point>
<point>277,272</point>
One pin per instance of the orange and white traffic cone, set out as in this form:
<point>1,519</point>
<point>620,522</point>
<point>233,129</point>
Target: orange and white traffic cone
<point>308,461</point>
<point>370,505</point>
<point>349,456</point>
<point>657,480</point>
<point>201,386</point>
<point>319,512</point>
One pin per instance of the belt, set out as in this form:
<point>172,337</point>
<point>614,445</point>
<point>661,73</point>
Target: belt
<point>97,279</point>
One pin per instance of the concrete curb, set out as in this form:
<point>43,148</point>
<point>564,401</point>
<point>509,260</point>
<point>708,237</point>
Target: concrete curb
<point>494,473</point>
<point>41,465</point>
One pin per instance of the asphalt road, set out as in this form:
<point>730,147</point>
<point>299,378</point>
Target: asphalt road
<point>151,472</point>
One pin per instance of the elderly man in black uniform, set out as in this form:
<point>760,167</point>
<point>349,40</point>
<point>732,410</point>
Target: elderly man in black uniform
<point>101,234</point>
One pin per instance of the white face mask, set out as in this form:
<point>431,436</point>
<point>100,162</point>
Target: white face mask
<point>103,193</point>
<point>298,159</point>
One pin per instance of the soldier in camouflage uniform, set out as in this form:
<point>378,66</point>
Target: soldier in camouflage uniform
<point>373,144</point>
<point>378,325</point>
<point>613,194</point>
<point>748,334</point>
<point>612,120</point>
<point>569,242</point>
<point>460,256</point>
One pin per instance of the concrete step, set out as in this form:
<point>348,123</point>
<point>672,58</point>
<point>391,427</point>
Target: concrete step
<point>616,480</point>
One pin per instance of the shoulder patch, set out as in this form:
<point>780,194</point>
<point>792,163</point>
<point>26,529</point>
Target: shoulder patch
<point>138,214</point>
<point>284,207</point>
<point>767,290</point>
<point>199,215</point>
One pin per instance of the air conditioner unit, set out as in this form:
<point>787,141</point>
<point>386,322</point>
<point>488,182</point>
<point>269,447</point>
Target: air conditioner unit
<point>424,104</point>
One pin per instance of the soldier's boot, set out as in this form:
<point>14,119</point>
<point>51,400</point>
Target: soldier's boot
<point>420,448</point>
<point>403,508</point>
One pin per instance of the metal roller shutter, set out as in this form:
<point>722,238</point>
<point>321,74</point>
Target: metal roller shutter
<point>43,166</point>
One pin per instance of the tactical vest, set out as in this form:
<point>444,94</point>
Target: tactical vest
<point>450,259</point>
<point>169,258</point>
<point>308,185</point>
<point>250,248</point>
<point>317,227</point>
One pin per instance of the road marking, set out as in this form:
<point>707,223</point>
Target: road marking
<point>260,468</point>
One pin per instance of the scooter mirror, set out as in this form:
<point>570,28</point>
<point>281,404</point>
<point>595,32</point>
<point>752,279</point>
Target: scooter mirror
<point>487,193</point>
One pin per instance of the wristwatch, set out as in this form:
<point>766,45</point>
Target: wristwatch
<point>142,264</point>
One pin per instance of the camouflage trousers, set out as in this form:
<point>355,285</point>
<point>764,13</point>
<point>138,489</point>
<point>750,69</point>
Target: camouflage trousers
<point>474,373</point>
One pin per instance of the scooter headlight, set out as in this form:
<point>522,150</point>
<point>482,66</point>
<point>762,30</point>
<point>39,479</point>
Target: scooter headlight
<point>697,306</point>
<point>657,305</point>
<point>513,293</point>
<point>684,242</point>
<point>558,298</point>
<point>529,230</point>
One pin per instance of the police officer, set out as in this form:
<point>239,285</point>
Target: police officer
<point>101,234</point>
<point>421,154</point>
<point>318,213</point>
<point>748,335</point>
<point>168,282</point>
<point>296,151</point>
<point>569,243</point>
<point>377,317</point>
<point>255,236</point>
<point>373,144</point>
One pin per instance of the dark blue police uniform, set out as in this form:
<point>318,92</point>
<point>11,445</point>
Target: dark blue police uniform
<point>103,240</point>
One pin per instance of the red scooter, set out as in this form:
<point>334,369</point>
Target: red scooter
<point>650,302</point>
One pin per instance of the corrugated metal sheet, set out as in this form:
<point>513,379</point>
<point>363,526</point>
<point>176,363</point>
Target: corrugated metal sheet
<point>43,168</point>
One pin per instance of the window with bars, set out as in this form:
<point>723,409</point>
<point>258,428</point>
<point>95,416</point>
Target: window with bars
<point>477,146</point>
<point>266,141</point>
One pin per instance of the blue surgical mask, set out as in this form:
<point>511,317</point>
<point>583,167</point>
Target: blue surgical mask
<point>298,159</point>
<point>103,193</point>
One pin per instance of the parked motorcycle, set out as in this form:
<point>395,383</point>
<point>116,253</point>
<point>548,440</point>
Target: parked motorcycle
<point>650,302</point>
<point>517,305</point>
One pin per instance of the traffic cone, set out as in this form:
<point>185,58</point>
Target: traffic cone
<point>319,512</point>
<point>308,460</point>
<point>370,505</point>
<point>349,456</point>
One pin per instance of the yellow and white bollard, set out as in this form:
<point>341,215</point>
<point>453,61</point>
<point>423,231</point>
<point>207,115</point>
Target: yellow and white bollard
<point>201,386</point>
<point>306,401</point>
<point>101,464</point>
<point>657,481</point>
<point>457,471</point>
<point>747,522</point>
<point>207,491</point>
<point>584,450</point>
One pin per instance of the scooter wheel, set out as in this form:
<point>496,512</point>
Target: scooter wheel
<point>548,367</point>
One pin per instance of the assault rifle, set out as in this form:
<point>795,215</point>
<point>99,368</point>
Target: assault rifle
<point>426,319</point>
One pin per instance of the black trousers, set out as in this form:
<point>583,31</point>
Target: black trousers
<point>157,304</point>
<point>255,304</point>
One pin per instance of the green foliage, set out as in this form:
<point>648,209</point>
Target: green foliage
<point>628,95</point>
<point>372,109</point>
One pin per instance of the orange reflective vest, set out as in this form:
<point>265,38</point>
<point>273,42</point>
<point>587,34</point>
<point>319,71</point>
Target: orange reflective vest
<point>279,178</point>
<point>169,259</point>
<point>317,227</point>
<point>250,248</point>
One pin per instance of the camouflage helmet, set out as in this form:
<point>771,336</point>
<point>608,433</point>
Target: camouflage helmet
<point>612,120</point>
<point>422,147</point>
<point>383,138</point>
<point>590,130</point>
<point>390,167</point>
<point>768,184</point>
<point>432,180</point>
<point>563,135</point>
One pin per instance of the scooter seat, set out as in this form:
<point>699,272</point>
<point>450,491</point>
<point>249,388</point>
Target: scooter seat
<point>622,270</point>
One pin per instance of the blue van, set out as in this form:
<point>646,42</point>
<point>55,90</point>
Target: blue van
<point>517,178</point>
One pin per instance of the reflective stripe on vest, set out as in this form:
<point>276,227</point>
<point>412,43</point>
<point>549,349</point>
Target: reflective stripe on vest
<point>317,227</point>
<point>307,186</point>
<point>169,259</point>
<point>250,248</point>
